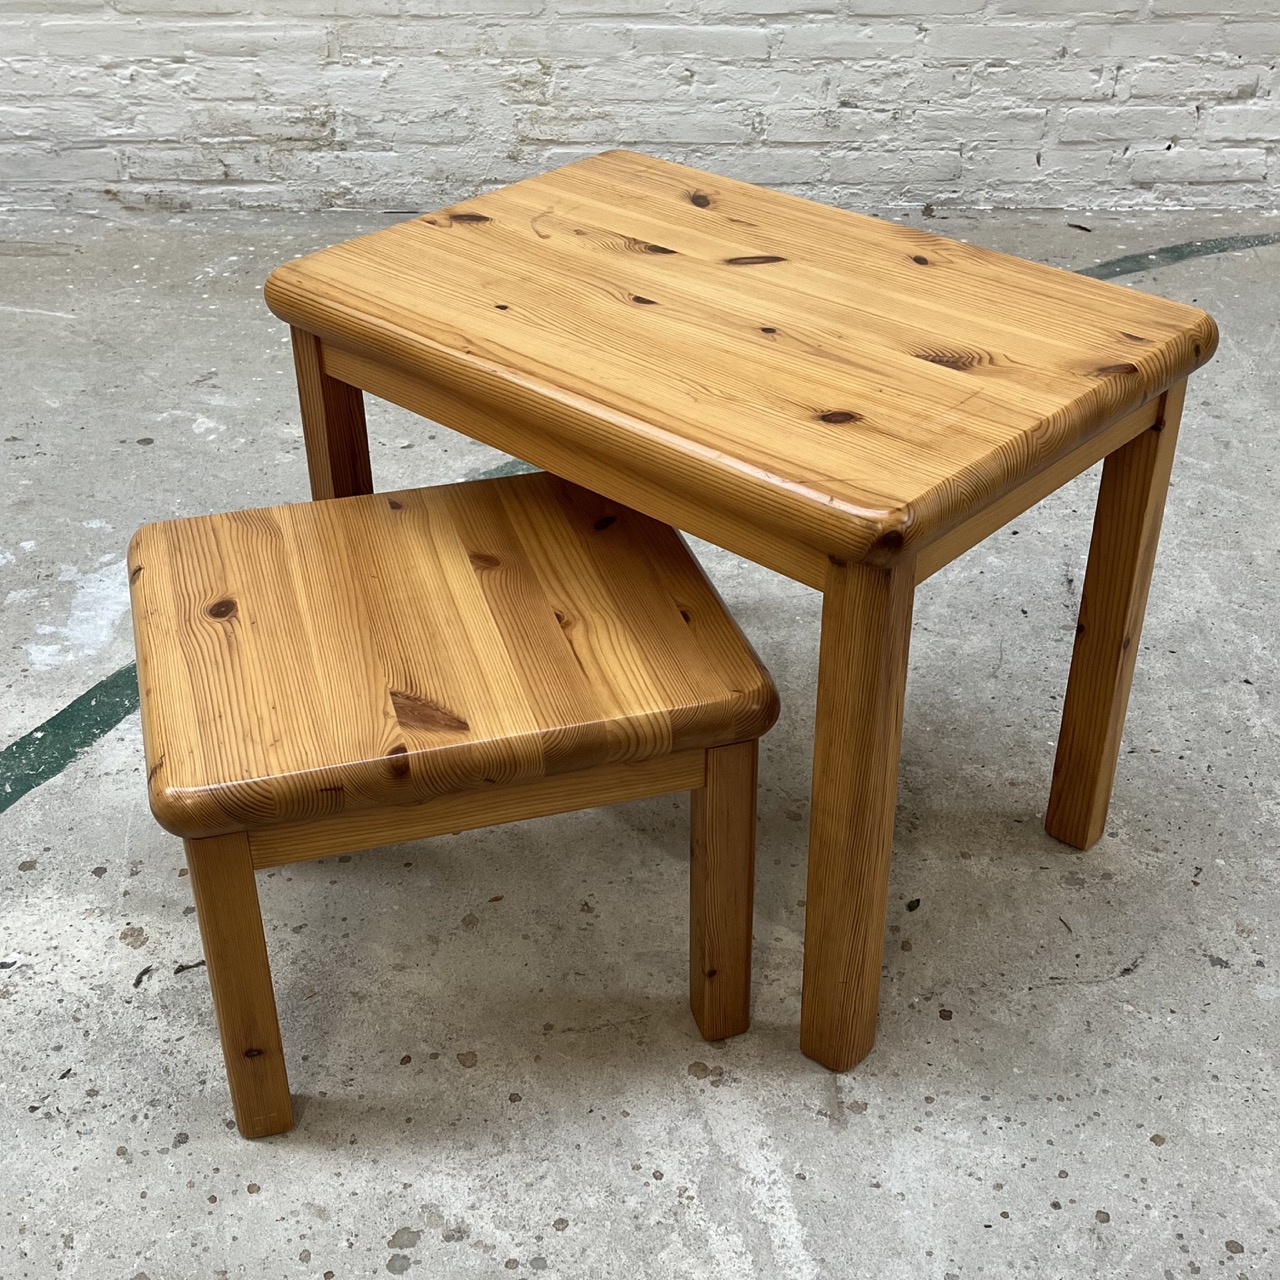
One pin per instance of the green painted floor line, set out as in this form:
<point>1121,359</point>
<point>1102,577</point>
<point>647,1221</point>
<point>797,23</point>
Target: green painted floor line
<point>45,751</point>
<point>1172,253</point>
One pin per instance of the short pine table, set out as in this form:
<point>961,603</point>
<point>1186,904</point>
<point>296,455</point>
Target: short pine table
<point>850,402</point>
<point>327,677</point>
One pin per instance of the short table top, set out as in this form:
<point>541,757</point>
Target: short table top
<point>846,380</point>
<point>302,661</point>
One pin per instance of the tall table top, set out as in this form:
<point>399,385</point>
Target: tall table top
<point>849,381</point>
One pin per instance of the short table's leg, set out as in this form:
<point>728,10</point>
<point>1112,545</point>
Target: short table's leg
<point>1122,554</point>
<point>235,951</point>
<point>862,674</point>
<point>333,425</point>
<point>721,892</point>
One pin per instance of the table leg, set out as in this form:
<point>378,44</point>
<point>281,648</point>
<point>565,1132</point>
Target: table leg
<point>1126,528</point>
<point>721,890</point>
<point>235,953</point>
<point>333,425</point>
<point>862,673</point>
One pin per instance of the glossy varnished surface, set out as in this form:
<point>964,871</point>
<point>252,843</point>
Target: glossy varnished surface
<point>854,385</point>
<point>300,662</point>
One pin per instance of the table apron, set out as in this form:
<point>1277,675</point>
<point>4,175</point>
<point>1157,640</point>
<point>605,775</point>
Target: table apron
<point>537,442</point>
<point>954,542</point>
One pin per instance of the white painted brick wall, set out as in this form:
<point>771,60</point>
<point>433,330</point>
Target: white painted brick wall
<point>407,104</point>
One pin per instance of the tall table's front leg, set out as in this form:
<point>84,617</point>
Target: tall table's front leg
<point>333,425</point>
<point>862,674</point>
<point>1122,555</point>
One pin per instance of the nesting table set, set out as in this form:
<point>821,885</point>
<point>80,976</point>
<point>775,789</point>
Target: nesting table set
<point>847,401</point>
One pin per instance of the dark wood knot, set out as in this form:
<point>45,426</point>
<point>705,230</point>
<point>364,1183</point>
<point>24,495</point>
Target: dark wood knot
<point>951,359</point>
<point>604,522</point>
<point>700,199</point>
<point>888,543</point>
<point>133,577</point>
<point>1134,337</point>
<point>920,259</point>
<point>483,560</point>
<point>398,762</point>
<point>1115,370</point>
<point>501,306</point>
<point>839,416</point>
<point>753,260</point>
<point>632,245</point>
<point>254,1053</point>
<point>469,217</point>
<point>767,328</point>
<point>394,505</point>
<point>646,302</point>
<point>222,609</point>
<point>414,712</point>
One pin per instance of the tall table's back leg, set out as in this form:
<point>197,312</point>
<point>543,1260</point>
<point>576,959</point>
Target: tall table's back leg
<point>1122,554</point>
<point>333,425</point>
<point>862,676</point>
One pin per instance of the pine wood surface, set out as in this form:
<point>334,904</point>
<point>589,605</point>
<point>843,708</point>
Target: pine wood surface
<point>848,401</point>
<point>852,384</point>
<point>941,551</point>
<point>1122,556</point>
<point>306,661</point>
<point>650,484</point>
<point>722,828</point>
<point>235,950</point>
<point>862,678</point>
<point>333,425</point>
<point>484,807</point>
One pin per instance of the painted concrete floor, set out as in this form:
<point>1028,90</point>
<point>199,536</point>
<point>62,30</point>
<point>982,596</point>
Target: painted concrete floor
<point>494,1067</point>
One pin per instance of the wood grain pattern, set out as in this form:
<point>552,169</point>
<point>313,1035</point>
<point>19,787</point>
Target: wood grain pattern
<point>845,400</point>
<point>235,953</point>
<point>848,384</point>
<point>650,487</point>
<point>306,661</point>
<point>1122,553</point>
<point>469,810</point>
<point>329,676</point>
<point>953,542</point>
<point>721,891</point>
<point>862,674</point>
<point>333,425</point>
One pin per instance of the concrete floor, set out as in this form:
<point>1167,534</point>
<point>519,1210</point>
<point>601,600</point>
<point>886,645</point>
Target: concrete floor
<point>1075,1073</point>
